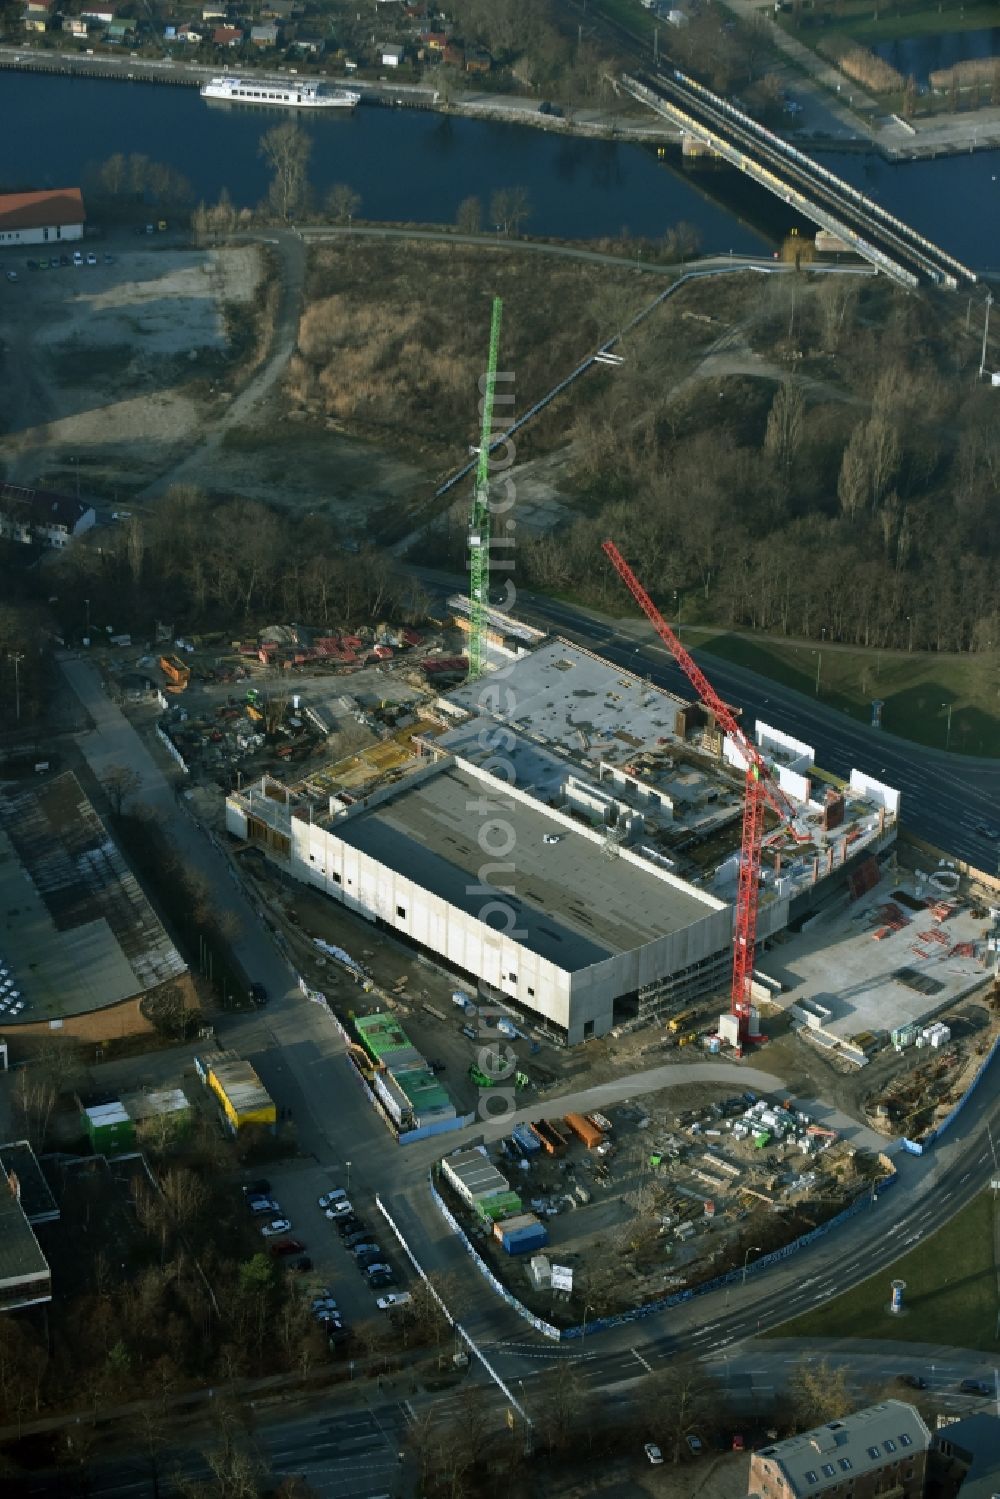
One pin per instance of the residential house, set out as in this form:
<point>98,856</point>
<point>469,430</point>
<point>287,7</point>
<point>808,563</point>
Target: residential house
<point>277,10</point>
<point>391,54</point>
<point>37,218</point>
<point>38,517</point>
<point>227,36</point>
<point>119,33</point>
<point>879,1450</point>
<point>965,1458</point>
<point>435,39</point>
<point>101,15</point>
<point>477,60</point>
<point>38,14</point>
<point>309,44</point>
<point>453,54</point>
<point>213,10</point>
<point>265,35</point>
<point>193,35</point>
<point>75,26</point>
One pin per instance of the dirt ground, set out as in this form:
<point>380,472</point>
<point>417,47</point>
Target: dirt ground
<point>99,361</point>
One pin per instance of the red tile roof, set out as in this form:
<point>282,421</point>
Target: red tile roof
<point>39,210</point>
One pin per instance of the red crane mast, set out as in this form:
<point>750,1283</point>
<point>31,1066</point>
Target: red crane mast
<point>760,788</point>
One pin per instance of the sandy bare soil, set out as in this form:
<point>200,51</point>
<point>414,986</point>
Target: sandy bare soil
<point>98,361</point>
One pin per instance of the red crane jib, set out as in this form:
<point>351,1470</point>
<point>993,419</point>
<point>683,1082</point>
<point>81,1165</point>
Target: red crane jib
<point>758,789</point>
<point>707,694</point>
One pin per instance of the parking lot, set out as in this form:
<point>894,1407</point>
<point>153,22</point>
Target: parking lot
<point>297,1188</point>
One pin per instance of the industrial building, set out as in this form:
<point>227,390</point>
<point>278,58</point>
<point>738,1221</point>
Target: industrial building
<point>25,1200</point>
<point>81,949</point>
<point>569,840</point>
<point>41,218</point>
<point>244,1099</point>
<point>879,1450</point>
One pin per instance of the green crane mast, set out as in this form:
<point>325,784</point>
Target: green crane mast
<point>479,523</point>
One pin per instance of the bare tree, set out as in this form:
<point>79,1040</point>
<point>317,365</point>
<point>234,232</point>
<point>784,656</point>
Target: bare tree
<point>286,150</point>
<point>120,782</point>
<point>784,425</point>
<point>342,202</point>
<point>469,218</point>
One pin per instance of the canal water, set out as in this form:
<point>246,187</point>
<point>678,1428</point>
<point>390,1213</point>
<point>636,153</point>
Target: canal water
<point>920,56</point>
<point>416,167</point>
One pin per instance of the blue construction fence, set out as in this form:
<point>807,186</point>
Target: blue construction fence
<point>919,1147</point>
<point>664,1303</point>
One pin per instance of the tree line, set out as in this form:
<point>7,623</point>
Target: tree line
<point>855,501</point>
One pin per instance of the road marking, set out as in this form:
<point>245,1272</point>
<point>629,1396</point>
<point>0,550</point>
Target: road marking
<point>645,1364</point>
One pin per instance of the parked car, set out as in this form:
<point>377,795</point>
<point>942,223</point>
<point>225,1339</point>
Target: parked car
<point>258,994</point>
<point>261,1187</point>
<point>694,1444</point>
<point>739,1442</point>
<point>11,275</point>
<point>367,1246</point>
<point>91,258</point>
<point>275,1227</point>
<point>975,1387</point>
<point>260,1205</point>
<point>329,1198</point>
<point>394,1299</point>
<point>109,259</point>
<point>63,261</point>
<point>359,1235</point>
<point>286,1246</point>
<point>350,1225</point>
<point>653,1453</point>
<point>77,257</point>
<point>379,1275</point>
<point>32,265</point>
<point>364,1260</point>
<point>342,1209</point>
<point>324,1303</point>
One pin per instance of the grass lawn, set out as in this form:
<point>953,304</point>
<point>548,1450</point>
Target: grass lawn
<point>917,689</point>
<point>951,1292</point>
<point>868,21</point>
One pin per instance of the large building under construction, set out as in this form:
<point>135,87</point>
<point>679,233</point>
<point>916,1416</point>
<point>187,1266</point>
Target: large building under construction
<point>568,841</point>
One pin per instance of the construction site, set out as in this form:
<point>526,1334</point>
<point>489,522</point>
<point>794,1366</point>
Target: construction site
<point>603,1213</point>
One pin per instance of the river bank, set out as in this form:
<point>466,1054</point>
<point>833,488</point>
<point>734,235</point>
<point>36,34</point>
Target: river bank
<point>894,139</point>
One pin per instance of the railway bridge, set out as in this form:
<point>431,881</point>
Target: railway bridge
<point>895,248</point>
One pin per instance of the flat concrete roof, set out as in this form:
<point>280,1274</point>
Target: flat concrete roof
<point>573,909</point>
<point>840,964</point>
<point>561,694</point>
<point>23,1266</point>
<point>76,931</point>
<point>17,1158</point>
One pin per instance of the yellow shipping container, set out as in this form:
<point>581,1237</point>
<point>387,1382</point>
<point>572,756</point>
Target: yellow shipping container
<point>243,1097</point>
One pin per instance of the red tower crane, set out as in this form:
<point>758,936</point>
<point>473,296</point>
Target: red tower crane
<point>760,788</point>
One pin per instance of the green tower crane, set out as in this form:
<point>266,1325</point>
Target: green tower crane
<point>479,523</point>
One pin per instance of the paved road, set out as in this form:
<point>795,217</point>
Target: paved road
<point>944,795</point>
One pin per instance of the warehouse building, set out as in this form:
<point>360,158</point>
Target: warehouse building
<point>404,1083</point>
<point>82,952</point>
<point>41,218</point>
<point>569,841</point>
<point>25,1200</point>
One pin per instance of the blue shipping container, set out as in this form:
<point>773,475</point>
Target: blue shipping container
<point>525,1240</point>
<point>526,1138</point>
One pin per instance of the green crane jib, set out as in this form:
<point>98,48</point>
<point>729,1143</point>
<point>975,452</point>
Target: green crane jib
<point>479,524</point>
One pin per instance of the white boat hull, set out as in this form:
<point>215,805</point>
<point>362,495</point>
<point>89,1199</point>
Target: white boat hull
<point>277,95</point>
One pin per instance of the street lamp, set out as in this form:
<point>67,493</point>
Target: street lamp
<point>17,657</point>
<point>947,732</point>
<point>586,1309</point>
<point>754,1249</point>
<point>819,666</point>
<point>87,605</point>
<point>347,1166</point>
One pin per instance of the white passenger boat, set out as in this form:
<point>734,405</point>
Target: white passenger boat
<point>305,93</point>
